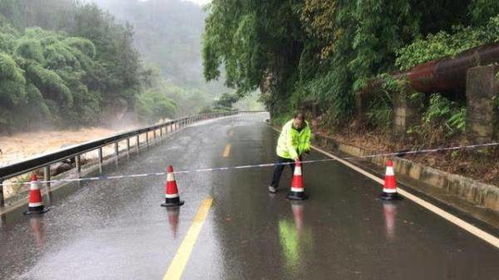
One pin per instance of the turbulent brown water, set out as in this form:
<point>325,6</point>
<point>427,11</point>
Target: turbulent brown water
<point>21,146</point>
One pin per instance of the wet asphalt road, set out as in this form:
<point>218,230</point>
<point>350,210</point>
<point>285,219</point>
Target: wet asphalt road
<point>117,229</point>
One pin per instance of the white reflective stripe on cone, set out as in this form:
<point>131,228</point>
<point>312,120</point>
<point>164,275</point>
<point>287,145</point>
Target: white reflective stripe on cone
<point>170,177</point>
<point>297,171</point>
<point>171,195</point>
<point>297,189</point>
<point>34,186</point>
<point>389,190</point>
<point>389,171</point>
<point>35,204</point>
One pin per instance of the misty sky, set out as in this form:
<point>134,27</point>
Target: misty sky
<point>199,2</point>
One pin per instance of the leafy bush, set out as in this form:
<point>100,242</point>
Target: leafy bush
<point>443,44</point>
<point>226,101</point>
<point>443,112</point>
<point>152,106</point>
<point>441,120</point>
<point>380,111</point>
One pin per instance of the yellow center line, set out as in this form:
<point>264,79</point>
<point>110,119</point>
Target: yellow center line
<point>179,262</point>
<point>227,150</point>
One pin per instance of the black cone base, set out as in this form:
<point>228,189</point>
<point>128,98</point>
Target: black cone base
<point>297,195</point>
<point>36,210</point>
<point>390,196</point>
<point>173,202</point>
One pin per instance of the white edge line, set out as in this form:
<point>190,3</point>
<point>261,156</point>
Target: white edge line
<point>492,240</point>
<point>485,236</point>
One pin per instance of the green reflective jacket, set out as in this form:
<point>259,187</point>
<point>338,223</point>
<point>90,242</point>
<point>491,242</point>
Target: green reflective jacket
<point>292,142</point>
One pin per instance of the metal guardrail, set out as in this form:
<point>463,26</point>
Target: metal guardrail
<point>44,161</point>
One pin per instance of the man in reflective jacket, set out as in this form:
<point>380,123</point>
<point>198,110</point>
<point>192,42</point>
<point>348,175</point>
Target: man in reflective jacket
<point>294,140</point>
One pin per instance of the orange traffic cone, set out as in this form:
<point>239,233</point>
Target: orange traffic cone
<point>35,204</point>
<point>172,198</point>
<point>390,186</point>
<point>297,190</point>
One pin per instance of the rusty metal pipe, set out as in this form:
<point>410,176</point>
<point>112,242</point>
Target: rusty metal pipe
<point>449,74</point>
<point>446,75</point>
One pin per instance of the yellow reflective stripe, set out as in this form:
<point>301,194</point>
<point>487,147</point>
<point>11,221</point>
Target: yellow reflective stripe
<point>226,152</point>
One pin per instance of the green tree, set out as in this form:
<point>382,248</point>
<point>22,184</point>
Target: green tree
<point>322,52</point>
<point>152,106</point>
<point>64,61</point>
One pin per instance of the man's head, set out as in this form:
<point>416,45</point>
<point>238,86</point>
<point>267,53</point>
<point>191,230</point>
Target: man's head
<point>299,120</point>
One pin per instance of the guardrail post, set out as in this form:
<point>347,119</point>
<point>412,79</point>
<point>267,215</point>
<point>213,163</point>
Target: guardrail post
<point>46,178</point>
<point>147,139</point>
<point>128,147</point>
<point>116,151</point>
<point>78,165</point>
<point>154,134</point>
<point>138,143</point>
<point>2,199</point>
<point>101,160</point>
<point>161,132</point>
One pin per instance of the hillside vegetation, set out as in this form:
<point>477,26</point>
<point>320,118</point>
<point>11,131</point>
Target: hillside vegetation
<point>320,52</point>
<point>72,63</point>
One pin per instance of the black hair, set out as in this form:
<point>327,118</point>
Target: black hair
<point>299,115</point>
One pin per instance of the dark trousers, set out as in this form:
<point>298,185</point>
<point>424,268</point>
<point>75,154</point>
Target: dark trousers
<point>279,168</point>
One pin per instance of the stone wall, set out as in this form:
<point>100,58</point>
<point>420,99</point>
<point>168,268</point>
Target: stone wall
<point>482,101</point>
<point>482,98</point>
<point>407,110</point>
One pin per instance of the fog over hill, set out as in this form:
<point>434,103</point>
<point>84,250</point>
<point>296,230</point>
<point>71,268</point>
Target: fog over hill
<point>167,34</point>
